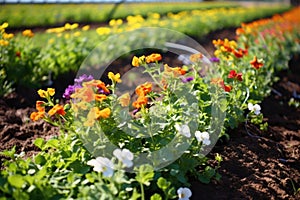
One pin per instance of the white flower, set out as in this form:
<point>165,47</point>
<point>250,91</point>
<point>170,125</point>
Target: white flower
<point>103,165</point>
<point>202,137</point>
<point>125,156</point>
<point>184,193</point>
<point>183,130</point>
<point>254,108</point>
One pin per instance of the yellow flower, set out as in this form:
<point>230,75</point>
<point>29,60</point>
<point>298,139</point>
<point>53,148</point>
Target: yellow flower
<point>114,77</point>
<point>124,100</point>
<point>45,94</point>
<point>103,30</point>
<point>74,26</point>
<point>4,43</point>
<point>28,33</point>
<point>135,61</point>
<point>85,28</point>
<point>8,36</point>
<point>105,113</point>
<point>4,26</point>
<point>100,97</point>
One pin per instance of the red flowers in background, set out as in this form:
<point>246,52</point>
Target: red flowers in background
<point>257,64</point>
<point>238,76</point>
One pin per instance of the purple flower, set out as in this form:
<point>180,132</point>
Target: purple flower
<point>214,59</point>
<point>187,79</point>
<point>70,90</point>
<point>83,78</point>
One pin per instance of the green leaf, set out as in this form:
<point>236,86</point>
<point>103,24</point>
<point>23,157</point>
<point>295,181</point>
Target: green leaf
<point>16,180</point>
<point>40,159</point>
<point>155,197</point>
<point>39,142</point>
<point>135,195</point>
<point>145,174</point>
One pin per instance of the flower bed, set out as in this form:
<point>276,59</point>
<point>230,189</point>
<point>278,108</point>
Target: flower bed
<point>246,70</point>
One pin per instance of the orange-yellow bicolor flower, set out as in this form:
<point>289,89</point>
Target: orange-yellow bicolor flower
<point>143,89</point>
<point>57,109</point>
<point>255,63</point>
<point>153,58</point>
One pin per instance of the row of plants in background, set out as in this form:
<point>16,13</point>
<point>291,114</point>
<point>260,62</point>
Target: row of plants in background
<point>52,14</point>
<point>34,60</point>
<point>80,163</point>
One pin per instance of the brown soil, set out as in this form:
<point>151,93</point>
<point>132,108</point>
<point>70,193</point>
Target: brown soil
<point>263,167</point>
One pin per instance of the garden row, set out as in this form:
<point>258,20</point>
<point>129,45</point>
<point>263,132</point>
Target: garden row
<point>34,60</point>
<point>46,15</point>
<point>113,146</point>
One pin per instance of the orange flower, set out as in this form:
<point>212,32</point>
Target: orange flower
<point>40,106</point>
<point>85,94</point>
<point>124,99</point>
<point>141,101</point>
<point>28,33</point>
<point>153,58</point>
<point>105,113</point>
<point>174,71</point>
<point>255,63</point>
<point>57,109</point>
<point>143,89</point>
<point>34,116</point>
<point>100,97</point>
<point>220,82</point>
<point>196,57</point>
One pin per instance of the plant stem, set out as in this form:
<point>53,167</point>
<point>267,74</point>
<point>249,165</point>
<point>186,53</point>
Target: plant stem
<point>142,191</point>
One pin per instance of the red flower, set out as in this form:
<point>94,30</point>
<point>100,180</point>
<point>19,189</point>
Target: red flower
<point>255,63</point>
<point>18,54</point>
<point>233,74</point>
<point>220,82</point>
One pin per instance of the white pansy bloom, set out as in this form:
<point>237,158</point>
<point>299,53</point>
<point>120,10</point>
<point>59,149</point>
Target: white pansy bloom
<point>184,193</point>
<point>103,165</point>
<point>254,108</point>
<point>125,156</point>
<point>202,137</point>
<point>183,130</point>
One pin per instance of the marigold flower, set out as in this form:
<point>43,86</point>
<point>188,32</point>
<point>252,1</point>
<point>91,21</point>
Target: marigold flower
<point>234,75</point>
<point>28,33</point>
<point>143,89</point>
<point>57,109</point>
<point>124,99</point>
<point>256,63</point>
<point>141,101</point>
<point>153,58</point>
<point>174,71</point>
<point>114,77</point>
<point>35,116</point>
